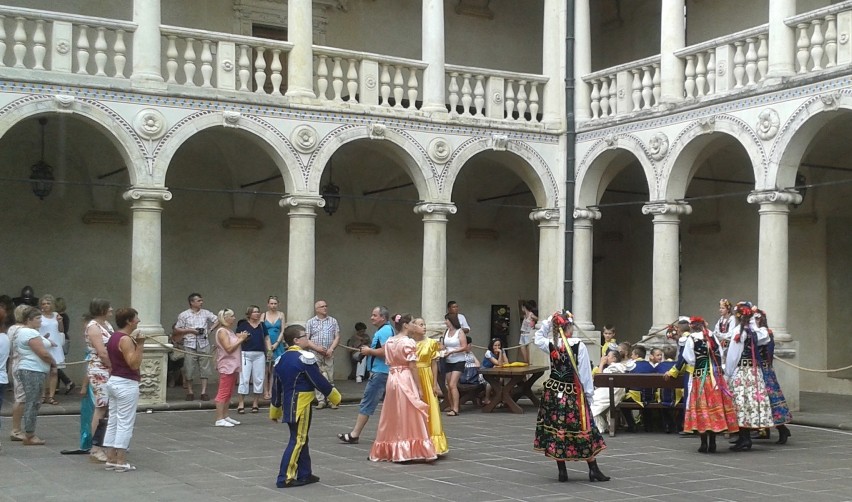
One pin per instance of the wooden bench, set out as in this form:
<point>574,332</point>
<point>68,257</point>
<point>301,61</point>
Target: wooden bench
<point>635,381</point>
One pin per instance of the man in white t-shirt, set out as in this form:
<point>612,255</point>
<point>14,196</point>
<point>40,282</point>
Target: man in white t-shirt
<point>453,308</point>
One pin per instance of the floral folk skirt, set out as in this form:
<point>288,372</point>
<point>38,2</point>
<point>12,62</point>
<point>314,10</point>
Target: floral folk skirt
<point>710,407</point>
<point>780,411</point>
<point>751,398</point>
<point>564,429</point>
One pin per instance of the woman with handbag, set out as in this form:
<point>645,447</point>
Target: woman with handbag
<point>455,347</point>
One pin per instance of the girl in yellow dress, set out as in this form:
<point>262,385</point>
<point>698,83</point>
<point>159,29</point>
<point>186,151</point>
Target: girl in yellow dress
<point>427,367</point>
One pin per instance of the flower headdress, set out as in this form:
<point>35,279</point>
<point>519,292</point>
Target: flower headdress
<point>562,321</point>
<point>726,303</point>
<point>744,309</point>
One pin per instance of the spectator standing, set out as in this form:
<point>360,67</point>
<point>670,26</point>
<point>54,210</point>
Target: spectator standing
<point>53,329</point>
<point>98,332</point>
<point>253,357</point>
<point>359,362</point>
<point>455,347</point>
<point>33,366</point>
<point>124,348</point>
<point>61,308</point>
<point>4,353</point>
<point>453,308</point>
<point>228,363</point>
<point>324,334</point>
<point>18,391</point>
<point>529,309</point>
<point>273,321</point>
<point>195,323</point>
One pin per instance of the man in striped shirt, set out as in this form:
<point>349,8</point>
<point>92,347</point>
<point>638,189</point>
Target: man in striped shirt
<point>324,334</point>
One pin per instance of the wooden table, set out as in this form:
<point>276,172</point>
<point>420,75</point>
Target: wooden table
<point>519,382</point>
<point>635,381</point>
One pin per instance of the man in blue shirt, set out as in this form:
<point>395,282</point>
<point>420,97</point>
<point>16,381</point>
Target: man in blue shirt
<point>378,369</point>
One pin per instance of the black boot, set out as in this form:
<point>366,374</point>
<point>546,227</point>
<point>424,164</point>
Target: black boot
<point>703,447</point>
<point>563,472</point>
<point>595,473</point>
<point>783,433</point>
<point>744,442</point>
<point>711,447</point>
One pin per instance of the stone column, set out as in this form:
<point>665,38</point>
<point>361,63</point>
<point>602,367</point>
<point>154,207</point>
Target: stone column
<point>301,255</point>
<point>549,272</point>
<point>300,61</point>
<point>146,287</point>
<point>434,262</point>
<point>553,62</point>
<point>146,42</point>
<point>772,280</point>
<point>666,277</point>
<point>434,96</point>
<point>582,276</point>
<point>782,40</point>
<point>582,60</point>
<point>672,38</point>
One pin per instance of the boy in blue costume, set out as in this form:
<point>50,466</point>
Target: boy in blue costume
<point>297,377</point>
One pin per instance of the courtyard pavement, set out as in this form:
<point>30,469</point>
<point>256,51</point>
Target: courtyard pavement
<point>182,457</point>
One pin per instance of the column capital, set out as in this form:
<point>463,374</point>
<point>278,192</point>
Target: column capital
<point>436,208</point>
<point>586,213</point>
<point>301,201</point>
<point>545,214</point>
<point>663,207</point>
<point>147,194</point>
<point>785,197</point>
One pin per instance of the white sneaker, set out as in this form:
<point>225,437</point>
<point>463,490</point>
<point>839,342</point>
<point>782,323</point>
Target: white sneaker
<point>359,380</point>
<point>232,421</point>
<point>223,423</point>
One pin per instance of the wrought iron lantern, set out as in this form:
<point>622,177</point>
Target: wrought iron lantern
<point>330,193</point>
<point>41,179</point>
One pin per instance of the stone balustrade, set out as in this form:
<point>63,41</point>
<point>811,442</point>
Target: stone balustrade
<point>822,38</point>
<point>502,95</point>
<point>64,43</point>
<point>626,88</point>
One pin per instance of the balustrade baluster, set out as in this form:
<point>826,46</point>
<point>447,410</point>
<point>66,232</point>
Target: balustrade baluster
<point>245,68</point>
<point>604,97</point>
<point>534,106</point>
<point>454,93</point>
<point>20,49</point>
<point>656,82</point>
<point>636,87</point>
<point>352,80</point>
<point>595,99</point>
<point>510,99</point>
<point>260,71</point>
<point>522,100</point>
<point>700,74</point>
<point>711,71</point>
<point>413,89</point>
<point>816,44</point>
<point>39,45</point>
<point>479,96</point>
<point>739,65</point>
<point>2,41</point>
<point>100,52</point>
<point>120,50</point>
<point>206,64</point>
<point>337,80</point>
<point>189,62</point>
<point>802,46</point>
<point>275,67</point>
<point>385,81</point>
<point>751,61</point>
<point>466,91</point>
<point>613,95</point>
<point>322,77</point>
<point>689,83</point>
<point>83,50</point>
<point>171,59</point>
<point>762,56</point>
<point>831,40</point>
<point>398,87</point>
<point>647,87</point>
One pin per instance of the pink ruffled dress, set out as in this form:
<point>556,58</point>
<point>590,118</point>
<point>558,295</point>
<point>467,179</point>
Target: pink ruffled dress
<point>402,434</point>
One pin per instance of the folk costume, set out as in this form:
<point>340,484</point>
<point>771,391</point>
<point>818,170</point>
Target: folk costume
<point>781,415</point>
<point>565,429</point>
<point>298,376</point>
<point>745,378</point>
<point>427,354</point>
<point>710,409</point>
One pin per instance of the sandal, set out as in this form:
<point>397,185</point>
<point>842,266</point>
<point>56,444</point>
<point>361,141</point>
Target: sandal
<point>255,409</point>
<point>51,400</point>
<point>452,413</point>
<point>241,411</point>
<point>124,468</point>
<point>348,438</point>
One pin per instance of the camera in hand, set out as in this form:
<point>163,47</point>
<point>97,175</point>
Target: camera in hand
<point>201,331</point>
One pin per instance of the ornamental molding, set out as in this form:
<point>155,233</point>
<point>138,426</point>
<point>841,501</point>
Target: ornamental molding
<point>787,197</point>
<point>150,124</point>
<point>586,213</point>
<point>499,142</point>
<point>707,124</point>
<point>147,193</point>
<point>377,131</point>
<point>543,214</point>
<point>445,208</point>
<point>440,150</point>
<point>231,118</point>
<point>150,380</point>
<point>64,101</point>
<point>228,66</point>
<point>63,47</point>
<point>768,124</point>
<point>665,207</point>
<point>305,139</point>
<point>830,100</point>
<point>302,201</point>
<point>658,146</point>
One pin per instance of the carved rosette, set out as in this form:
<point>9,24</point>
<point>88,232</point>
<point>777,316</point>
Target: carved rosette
<point>436,208</point>
<point>586,213</point>
<point>440,150</point>
<point>63,47</point>
<point>370,82</point>
<point>658,146</point>
<point>147,193</point>
<point>231,118</point>
<point>545,215</point>
<point>305,139</point>
<point>150,124</point>
<point>830,100</point>
<point>665,207</point>
<point>301,201</point>
<point>497,98</point>
<point>788,196</point>
<point>150,381</point>
<point>377,131</point>
<point>768,123</point>
<point>228,66</point>
<point>499,142</point>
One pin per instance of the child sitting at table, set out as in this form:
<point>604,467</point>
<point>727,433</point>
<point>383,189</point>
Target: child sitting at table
<point>494,356</point>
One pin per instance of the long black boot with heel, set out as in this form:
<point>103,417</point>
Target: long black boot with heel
<point>783,433</point>
<point>703,447</point>
<point>744,442</point>
<point>563,472</point>
<point>711,447</point>
<point>595,473</point>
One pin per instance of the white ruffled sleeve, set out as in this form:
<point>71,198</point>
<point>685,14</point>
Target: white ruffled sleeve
<point>542,336</point>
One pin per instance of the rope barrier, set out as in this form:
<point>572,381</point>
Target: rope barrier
<point>788,363</point>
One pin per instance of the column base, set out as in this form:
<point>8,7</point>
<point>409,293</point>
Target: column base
<point>788,376</point>
<point>152,385</point>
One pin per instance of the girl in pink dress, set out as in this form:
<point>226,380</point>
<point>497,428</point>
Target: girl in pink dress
<point>402,434</point>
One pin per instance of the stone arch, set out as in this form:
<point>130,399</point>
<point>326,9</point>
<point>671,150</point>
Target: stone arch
<point>692,141</point>
<point>104,119</point>
<point>270,139</point>
<point>539,177</point>
<point>593,172</point>
<point>417,163</point>
<point>797,133</point>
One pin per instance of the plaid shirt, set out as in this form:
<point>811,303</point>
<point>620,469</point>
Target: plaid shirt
<point>201,319</point>
<point>322,331</point>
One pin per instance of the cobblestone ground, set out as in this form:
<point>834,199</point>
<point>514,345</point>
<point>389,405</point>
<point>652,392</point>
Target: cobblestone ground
<point>182,457</point>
